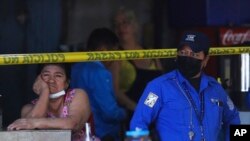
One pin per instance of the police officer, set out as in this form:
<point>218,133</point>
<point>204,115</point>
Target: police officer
<point>186,104</point>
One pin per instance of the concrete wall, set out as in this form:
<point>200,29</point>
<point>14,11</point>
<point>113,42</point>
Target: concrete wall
<point>85,16</point>
<point>36,135</point>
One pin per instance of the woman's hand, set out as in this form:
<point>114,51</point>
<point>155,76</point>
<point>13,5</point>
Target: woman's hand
<point>24,123</point>
<point>40,86</point>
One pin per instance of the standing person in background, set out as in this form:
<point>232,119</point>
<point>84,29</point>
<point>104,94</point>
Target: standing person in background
<point>96,79</point>
<point>57,107</point>
<point>187,104</point>
<point>131,76</point>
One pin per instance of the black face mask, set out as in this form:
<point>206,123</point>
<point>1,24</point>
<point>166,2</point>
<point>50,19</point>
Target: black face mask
<point>188,66</point>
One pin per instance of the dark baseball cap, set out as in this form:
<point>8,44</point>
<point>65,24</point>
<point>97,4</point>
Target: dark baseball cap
<point>197,41</point>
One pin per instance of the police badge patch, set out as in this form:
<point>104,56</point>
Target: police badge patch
<point>151,100</point>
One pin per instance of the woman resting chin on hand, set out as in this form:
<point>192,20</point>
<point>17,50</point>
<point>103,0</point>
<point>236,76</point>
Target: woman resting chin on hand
<point>57,107</point>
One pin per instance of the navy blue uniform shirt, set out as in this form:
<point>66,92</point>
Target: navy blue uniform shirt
<point>166,102</point>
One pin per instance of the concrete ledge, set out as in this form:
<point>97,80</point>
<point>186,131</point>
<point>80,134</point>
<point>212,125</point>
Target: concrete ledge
<point>36,135</point>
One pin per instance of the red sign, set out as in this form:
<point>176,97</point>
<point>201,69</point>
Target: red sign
<point>234,36</point>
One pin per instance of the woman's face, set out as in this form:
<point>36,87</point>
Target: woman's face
<point>55,77</point>
<point>124,28</point>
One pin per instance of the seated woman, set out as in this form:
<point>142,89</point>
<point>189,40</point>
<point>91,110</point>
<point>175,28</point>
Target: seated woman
<point>57,107</point>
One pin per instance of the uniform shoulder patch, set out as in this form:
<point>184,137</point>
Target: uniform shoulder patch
<point>151,100</point>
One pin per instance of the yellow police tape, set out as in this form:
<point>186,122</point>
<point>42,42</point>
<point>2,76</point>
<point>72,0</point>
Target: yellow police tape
<point>37,58</point>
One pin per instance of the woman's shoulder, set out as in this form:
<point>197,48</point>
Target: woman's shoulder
<point>128,65</point>
<point>78,93</point>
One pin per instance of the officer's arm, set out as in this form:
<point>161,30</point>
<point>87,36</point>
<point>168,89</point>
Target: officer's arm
<point>230,116</point>
<point>148,107</point>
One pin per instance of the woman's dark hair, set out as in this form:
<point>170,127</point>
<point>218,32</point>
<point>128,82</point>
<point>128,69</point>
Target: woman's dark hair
<point>100,37</point>
<point>65,66</point>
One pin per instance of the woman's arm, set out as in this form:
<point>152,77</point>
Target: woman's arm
<point>40,108</point>
<point>79,112</point>
<point>122,98</point>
